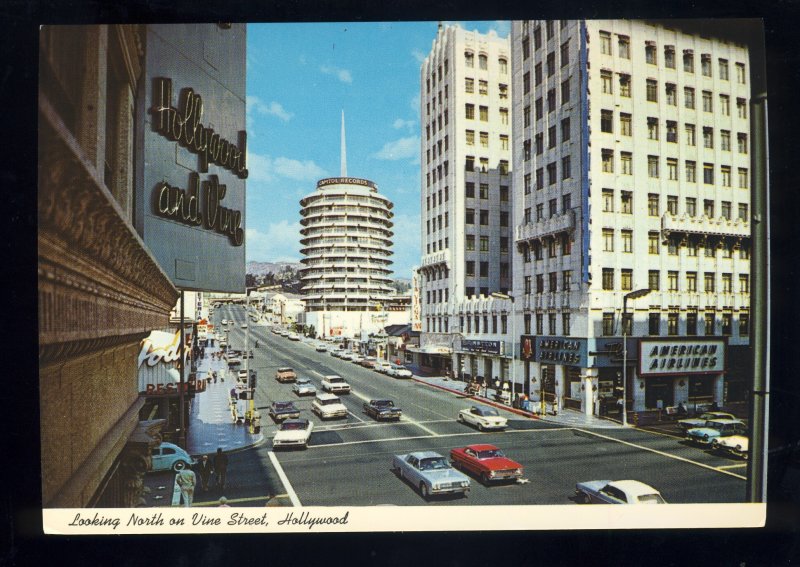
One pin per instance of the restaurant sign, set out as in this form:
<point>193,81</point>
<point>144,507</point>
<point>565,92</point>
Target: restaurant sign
<point>159,353</point>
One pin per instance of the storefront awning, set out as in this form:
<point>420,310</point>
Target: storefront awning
<point>431,349</point>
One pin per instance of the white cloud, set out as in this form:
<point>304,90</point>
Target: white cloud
<point>342,74</point>
<point>400,124</point>
<point>406,244</point>
<point>415,105</point>
<point>255,104</point>
<point>403,148</point>
<point>418,55</point>
<point>266,168</point>
<point>259,168</point>
<point>299,170</point>
<point>279,243</point>
<point>501,27</point>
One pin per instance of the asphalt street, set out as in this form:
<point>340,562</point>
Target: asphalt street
<point>348,460</point>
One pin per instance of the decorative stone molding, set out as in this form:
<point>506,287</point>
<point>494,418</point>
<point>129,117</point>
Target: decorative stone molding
<point>98,282</point>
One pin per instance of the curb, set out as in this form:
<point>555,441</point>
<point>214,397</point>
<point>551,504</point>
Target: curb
<point>483,400</point>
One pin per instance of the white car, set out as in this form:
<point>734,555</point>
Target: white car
<point>347,355</point>
<point>304,387</point>
<point>293,337</point>
<point>356,358</point>
<point>335,384</point>
<point>617,492</point>
<point>293,433</point>
<point>224,321</point>
<point>737,445</point>
<point>382,366</point>
<point>398,371</point>
<point>244,325</point>
<point>321,347</point>
<point>328,406</point>
<point>483,418</point>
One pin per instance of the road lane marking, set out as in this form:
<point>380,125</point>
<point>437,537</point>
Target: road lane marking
<point>440,436</point>
<point>418,424</point>
<point>238,500</point>
<point>662,453</point>
<point>737,466</point>
<point>285,480</point>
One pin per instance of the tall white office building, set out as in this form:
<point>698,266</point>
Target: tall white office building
<point>632,172</point>
<point>466,205</point>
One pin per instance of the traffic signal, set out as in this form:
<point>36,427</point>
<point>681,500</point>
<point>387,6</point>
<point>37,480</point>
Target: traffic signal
<point>253,376</point>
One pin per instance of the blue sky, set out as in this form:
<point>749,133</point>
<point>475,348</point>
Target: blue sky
<point>299,79</point>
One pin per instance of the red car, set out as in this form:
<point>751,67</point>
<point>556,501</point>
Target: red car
<point>487,462</point>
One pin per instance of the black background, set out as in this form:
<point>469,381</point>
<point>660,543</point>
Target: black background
<point>22,542</point>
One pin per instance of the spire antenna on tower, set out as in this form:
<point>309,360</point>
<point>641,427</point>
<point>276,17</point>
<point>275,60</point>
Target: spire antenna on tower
<point>344,150</point>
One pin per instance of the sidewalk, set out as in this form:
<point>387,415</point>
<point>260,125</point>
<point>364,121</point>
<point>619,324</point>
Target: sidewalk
<point>569,418</point>
<point>210,422</point>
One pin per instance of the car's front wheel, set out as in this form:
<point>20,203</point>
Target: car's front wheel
<point>460,418</point>
<point>583,498</point>
<point>485,477</point>
<point>423,488</point>
<point>481,427</point>
<point>179,466</point>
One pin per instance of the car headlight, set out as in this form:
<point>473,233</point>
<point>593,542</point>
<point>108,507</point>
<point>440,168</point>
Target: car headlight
<point>436,486</point>
<point>518,471</point>
<point>464,483</point>
<point>491,474</point>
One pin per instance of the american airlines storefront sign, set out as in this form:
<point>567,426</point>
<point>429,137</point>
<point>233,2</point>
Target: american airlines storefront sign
<point>692,356</point>
<point>159,353</point>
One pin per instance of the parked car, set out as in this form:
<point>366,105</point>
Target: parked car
<point>304,387</point>
<point>335,384</point>
<point>368,362</point>
<point>382,366</point>
<point>285,374</point>
<point>487,462</point>
<point>356,358</point>
<point>169,456</point>
<point>716,429</point>
<point>234,361</point>
<point>430,473</point>
<point>398,371</point>
<point>321,347</point>
<point>483,417</point>
<point>617,492</point>
<point>293,433</point>
<point>701,420</point>
<point>280,411</point>
<point>382,410</point>
<point>737,445</point>
<point>328,406</point>
<point>347,355</point>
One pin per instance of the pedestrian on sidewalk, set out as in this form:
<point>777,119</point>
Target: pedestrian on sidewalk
<point>220,468</point>
<point>186,480</point>
<point>223,503</point>
<point>204,471</point>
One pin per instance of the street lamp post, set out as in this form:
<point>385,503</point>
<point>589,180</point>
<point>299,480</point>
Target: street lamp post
<point>632,295</point>
<point>513,342</point>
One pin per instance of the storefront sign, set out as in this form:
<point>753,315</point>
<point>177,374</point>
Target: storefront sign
<point>416,311</point>
<point>346,181</point>
<point>561,350</point>
<point>697,356</point>
<point>528,346</point>
<point>158,359</point>
<point>183,126</point>
<point>484,347</point>
<point>161,347</point>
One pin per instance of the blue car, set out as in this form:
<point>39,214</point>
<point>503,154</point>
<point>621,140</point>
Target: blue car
<point>169,456</point>
<point>431,473</point>
<point>716,429</point>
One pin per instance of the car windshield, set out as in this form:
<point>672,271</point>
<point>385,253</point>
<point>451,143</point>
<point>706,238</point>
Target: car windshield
<point>329,402</point>
<point>433,463</point>
<point>283,405</point>
<point>490,453</point>
<point>285,370</point>
<point>383,403</point>
<point>335,379</point>
<point>294,425</point>
<point>651,499</point>
<point>487,411</point>
<point>303,381</point>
